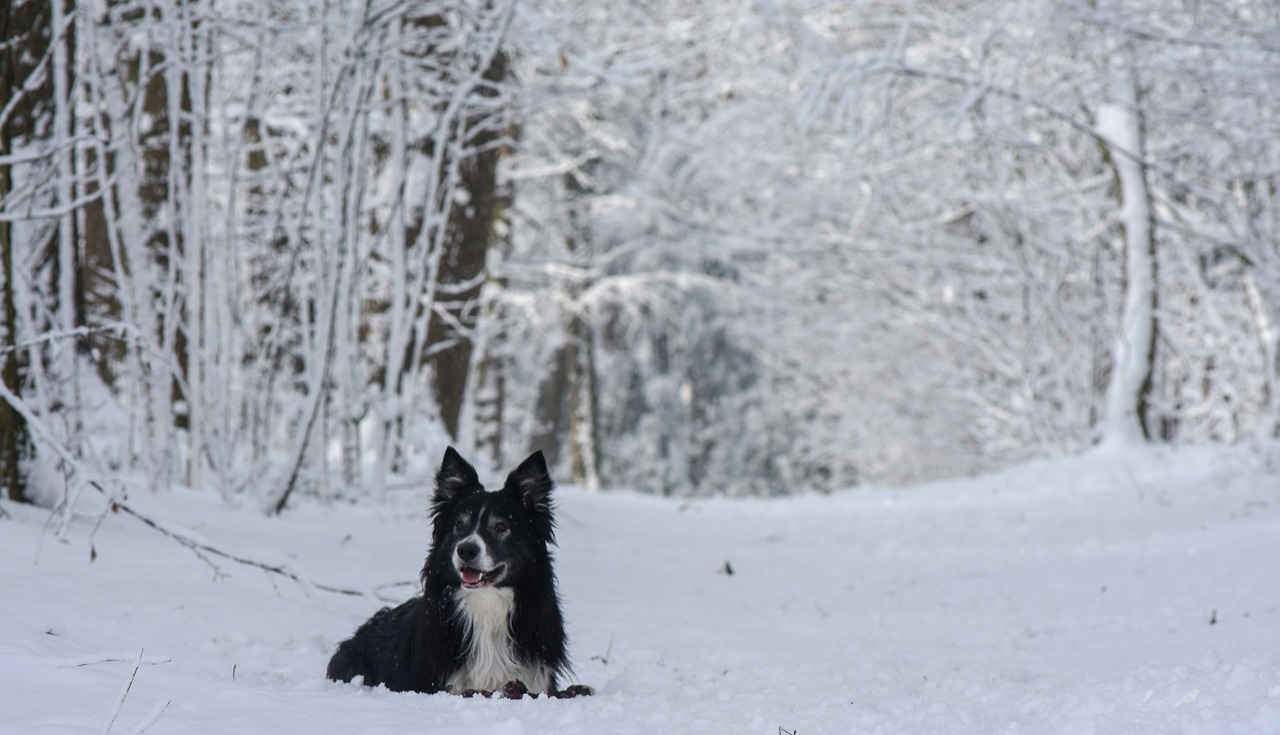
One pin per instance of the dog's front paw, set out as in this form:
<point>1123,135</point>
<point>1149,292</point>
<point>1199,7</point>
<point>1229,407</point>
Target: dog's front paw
<point>577,690</point>
<point>513,690</point>
<point>468,694</point>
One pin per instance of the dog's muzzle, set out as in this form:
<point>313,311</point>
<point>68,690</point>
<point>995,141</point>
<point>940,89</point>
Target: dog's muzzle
<point>474,565</point>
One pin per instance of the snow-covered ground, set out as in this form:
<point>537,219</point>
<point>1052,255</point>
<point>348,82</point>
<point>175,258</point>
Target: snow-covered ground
<point>1128,593</point>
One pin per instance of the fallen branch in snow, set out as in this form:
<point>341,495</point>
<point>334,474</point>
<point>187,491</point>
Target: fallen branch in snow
<point>203,551</point>
<point>83,477</point>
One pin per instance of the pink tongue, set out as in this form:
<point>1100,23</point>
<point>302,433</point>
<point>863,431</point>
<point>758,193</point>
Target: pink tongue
<point>471,576</point>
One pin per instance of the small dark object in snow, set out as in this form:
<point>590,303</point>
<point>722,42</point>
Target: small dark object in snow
<point>577,690</point>
<point>468,694</point>
<point>727,570</point>
<point>1213,617</point>
<point>605,658</point>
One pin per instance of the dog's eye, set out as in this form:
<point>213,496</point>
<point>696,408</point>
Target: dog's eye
<point>500,527</point>
<point>460,526</point>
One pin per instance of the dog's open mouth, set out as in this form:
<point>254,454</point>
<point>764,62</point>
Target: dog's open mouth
<point>473,578</point>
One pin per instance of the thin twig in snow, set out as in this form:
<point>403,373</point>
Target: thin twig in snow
<point>98,661</point>
<point>150,718</point>
<point>124,693</point>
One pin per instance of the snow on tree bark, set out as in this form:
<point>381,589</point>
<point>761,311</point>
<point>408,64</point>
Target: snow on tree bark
<point>1119,121</point>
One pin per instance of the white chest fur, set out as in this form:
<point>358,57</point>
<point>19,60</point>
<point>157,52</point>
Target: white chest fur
<point>491,662</point>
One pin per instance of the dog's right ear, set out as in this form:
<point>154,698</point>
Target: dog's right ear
<point>455,479</point>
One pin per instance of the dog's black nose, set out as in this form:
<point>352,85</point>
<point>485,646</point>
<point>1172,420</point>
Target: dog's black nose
<point>468,551</point>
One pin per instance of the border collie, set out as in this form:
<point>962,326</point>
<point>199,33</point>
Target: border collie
<point>489,613</point>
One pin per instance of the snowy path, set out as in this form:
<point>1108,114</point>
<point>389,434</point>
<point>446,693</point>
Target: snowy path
<point>1105,594</point>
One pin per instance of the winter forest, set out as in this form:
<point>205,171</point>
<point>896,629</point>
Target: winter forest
<point>745,247</point>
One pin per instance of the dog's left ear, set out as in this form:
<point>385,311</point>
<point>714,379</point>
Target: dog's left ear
<point>532,483</point>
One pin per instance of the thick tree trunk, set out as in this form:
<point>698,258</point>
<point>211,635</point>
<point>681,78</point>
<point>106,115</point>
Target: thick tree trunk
<point>13,429</point>
<point>567,408</point>
<point>1124,419</point>
<point>488,389</point>
<point>471,234</point>
<point>14,444</point>
<point>584,466</point>
<point>551,411</point>
<point>25,32</point>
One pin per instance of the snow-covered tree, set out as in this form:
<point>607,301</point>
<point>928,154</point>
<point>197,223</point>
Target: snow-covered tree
<point>998,138</point>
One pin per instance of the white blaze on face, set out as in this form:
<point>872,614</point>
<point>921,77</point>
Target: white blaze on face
<point>476,562</point>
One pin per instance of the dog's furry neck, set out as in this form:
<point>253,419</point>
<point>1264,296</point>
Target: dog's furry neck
<point>491,660</point>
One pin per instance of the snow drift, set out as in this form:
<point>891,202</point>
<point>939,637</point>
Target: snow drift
<point>1131,592</point>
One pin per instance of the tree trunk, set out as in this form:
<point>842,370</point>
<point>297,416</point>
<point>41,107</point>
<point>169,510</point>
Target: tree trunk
<point>25,31</point>
<point>13,429</point>
<point>488,389</point>
<point>584,466</point>
<point>551,412</point>
<point>1124,419</point>
<point>1263,297</point>
<point>471,234</point>
<point>14,444</point>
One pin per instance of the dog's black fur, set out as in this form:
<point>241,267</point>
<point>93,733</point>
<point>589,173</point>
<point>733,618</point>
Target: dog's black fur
<point>473,627</point>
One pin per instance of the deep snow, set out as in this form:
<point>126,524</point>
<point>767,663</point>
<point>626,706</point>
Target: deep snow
<point>1131,592</point>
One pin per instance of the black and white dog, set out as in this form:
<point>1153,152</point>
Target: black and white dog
<point>489,613</point>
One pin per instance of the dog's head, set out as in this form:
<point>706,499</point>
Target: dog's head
<point>492,538</point>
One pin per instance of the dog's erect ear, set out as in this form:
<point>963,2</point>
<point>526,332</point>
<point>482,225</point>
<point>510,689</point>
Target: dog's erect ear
<point>455,479</point>
<point>532,483</point>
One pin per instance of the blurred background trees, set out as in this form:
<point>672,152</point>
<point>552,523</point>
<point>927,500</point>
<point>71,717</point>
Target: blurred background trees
<point>753,248</point>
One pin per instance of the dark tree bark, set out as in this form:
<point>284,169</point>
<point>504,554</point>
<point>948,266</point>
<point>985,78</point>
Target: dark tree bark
<point>567,407</point>
<point>568,403</point>
<point>24,43</point>
<point>165,242</point>
<point>471,234</point>
<point>14,443</point>
<point>489,388</point>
